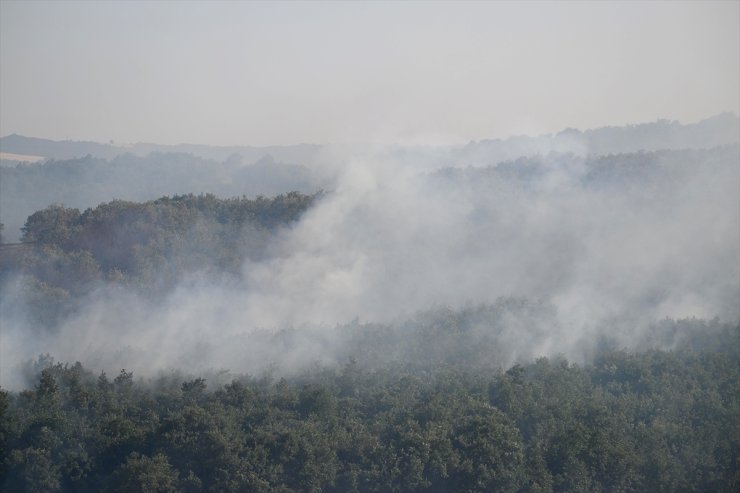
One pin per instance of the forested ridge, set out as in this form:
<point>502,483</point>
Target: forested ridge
<point>653,421</point>
<point>146,246</point>
<point>85,181</point>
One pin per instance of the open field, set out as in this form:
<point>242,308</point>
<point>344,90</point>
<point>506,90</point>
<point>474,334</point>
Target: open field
<point>26,158</point>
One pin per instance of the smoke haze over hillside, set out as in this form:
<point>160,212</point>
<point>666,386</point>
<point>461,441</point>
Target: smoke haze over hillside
<point>470,153</point>
<point>606,246</point>
<point>84,174</point>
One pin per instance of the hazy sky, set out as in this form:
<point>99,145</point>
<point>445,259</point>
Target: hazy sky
<point>281,73</point>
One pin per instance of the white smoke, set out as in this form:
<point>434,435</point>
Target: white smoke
<point>660,240</point>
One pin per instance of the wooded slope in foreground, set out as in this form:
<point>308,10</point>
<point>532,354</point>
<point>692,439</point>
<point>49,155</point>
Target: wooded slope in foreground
<point>656,421</point>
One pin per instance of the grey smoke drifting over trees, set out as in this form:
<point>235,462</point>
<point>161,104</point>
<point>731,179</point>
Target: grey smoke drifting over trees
<point>541,255</point>
<point>84,174</point>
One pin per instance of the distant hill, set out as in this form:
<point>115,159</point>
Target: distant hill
<point>722,129</point>
<point>719,130</point>
<point>87,181</point>
<point>305,154</point>
<point>51,149</point>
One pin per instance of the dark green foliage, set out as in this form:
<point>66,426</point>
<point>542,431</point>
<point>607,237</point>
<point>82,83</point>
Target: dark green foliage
<point>129,236</point>
<point>653,421</point>
<point>82,182</point>
<point>144,474</point>
<point>147,246</point>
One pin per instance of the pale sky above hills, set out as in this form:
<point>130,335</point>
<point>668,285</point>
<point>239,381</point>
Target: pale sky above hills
<point>281,73</point>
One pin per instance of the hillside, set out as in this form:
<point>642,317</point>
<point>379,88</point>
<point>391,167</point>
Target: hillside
<point>68,149</point>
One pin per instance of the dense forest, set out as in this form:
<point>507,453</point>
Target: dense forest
<point>432,402</point>
<point>654,421</point>
<point>146,246</point>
